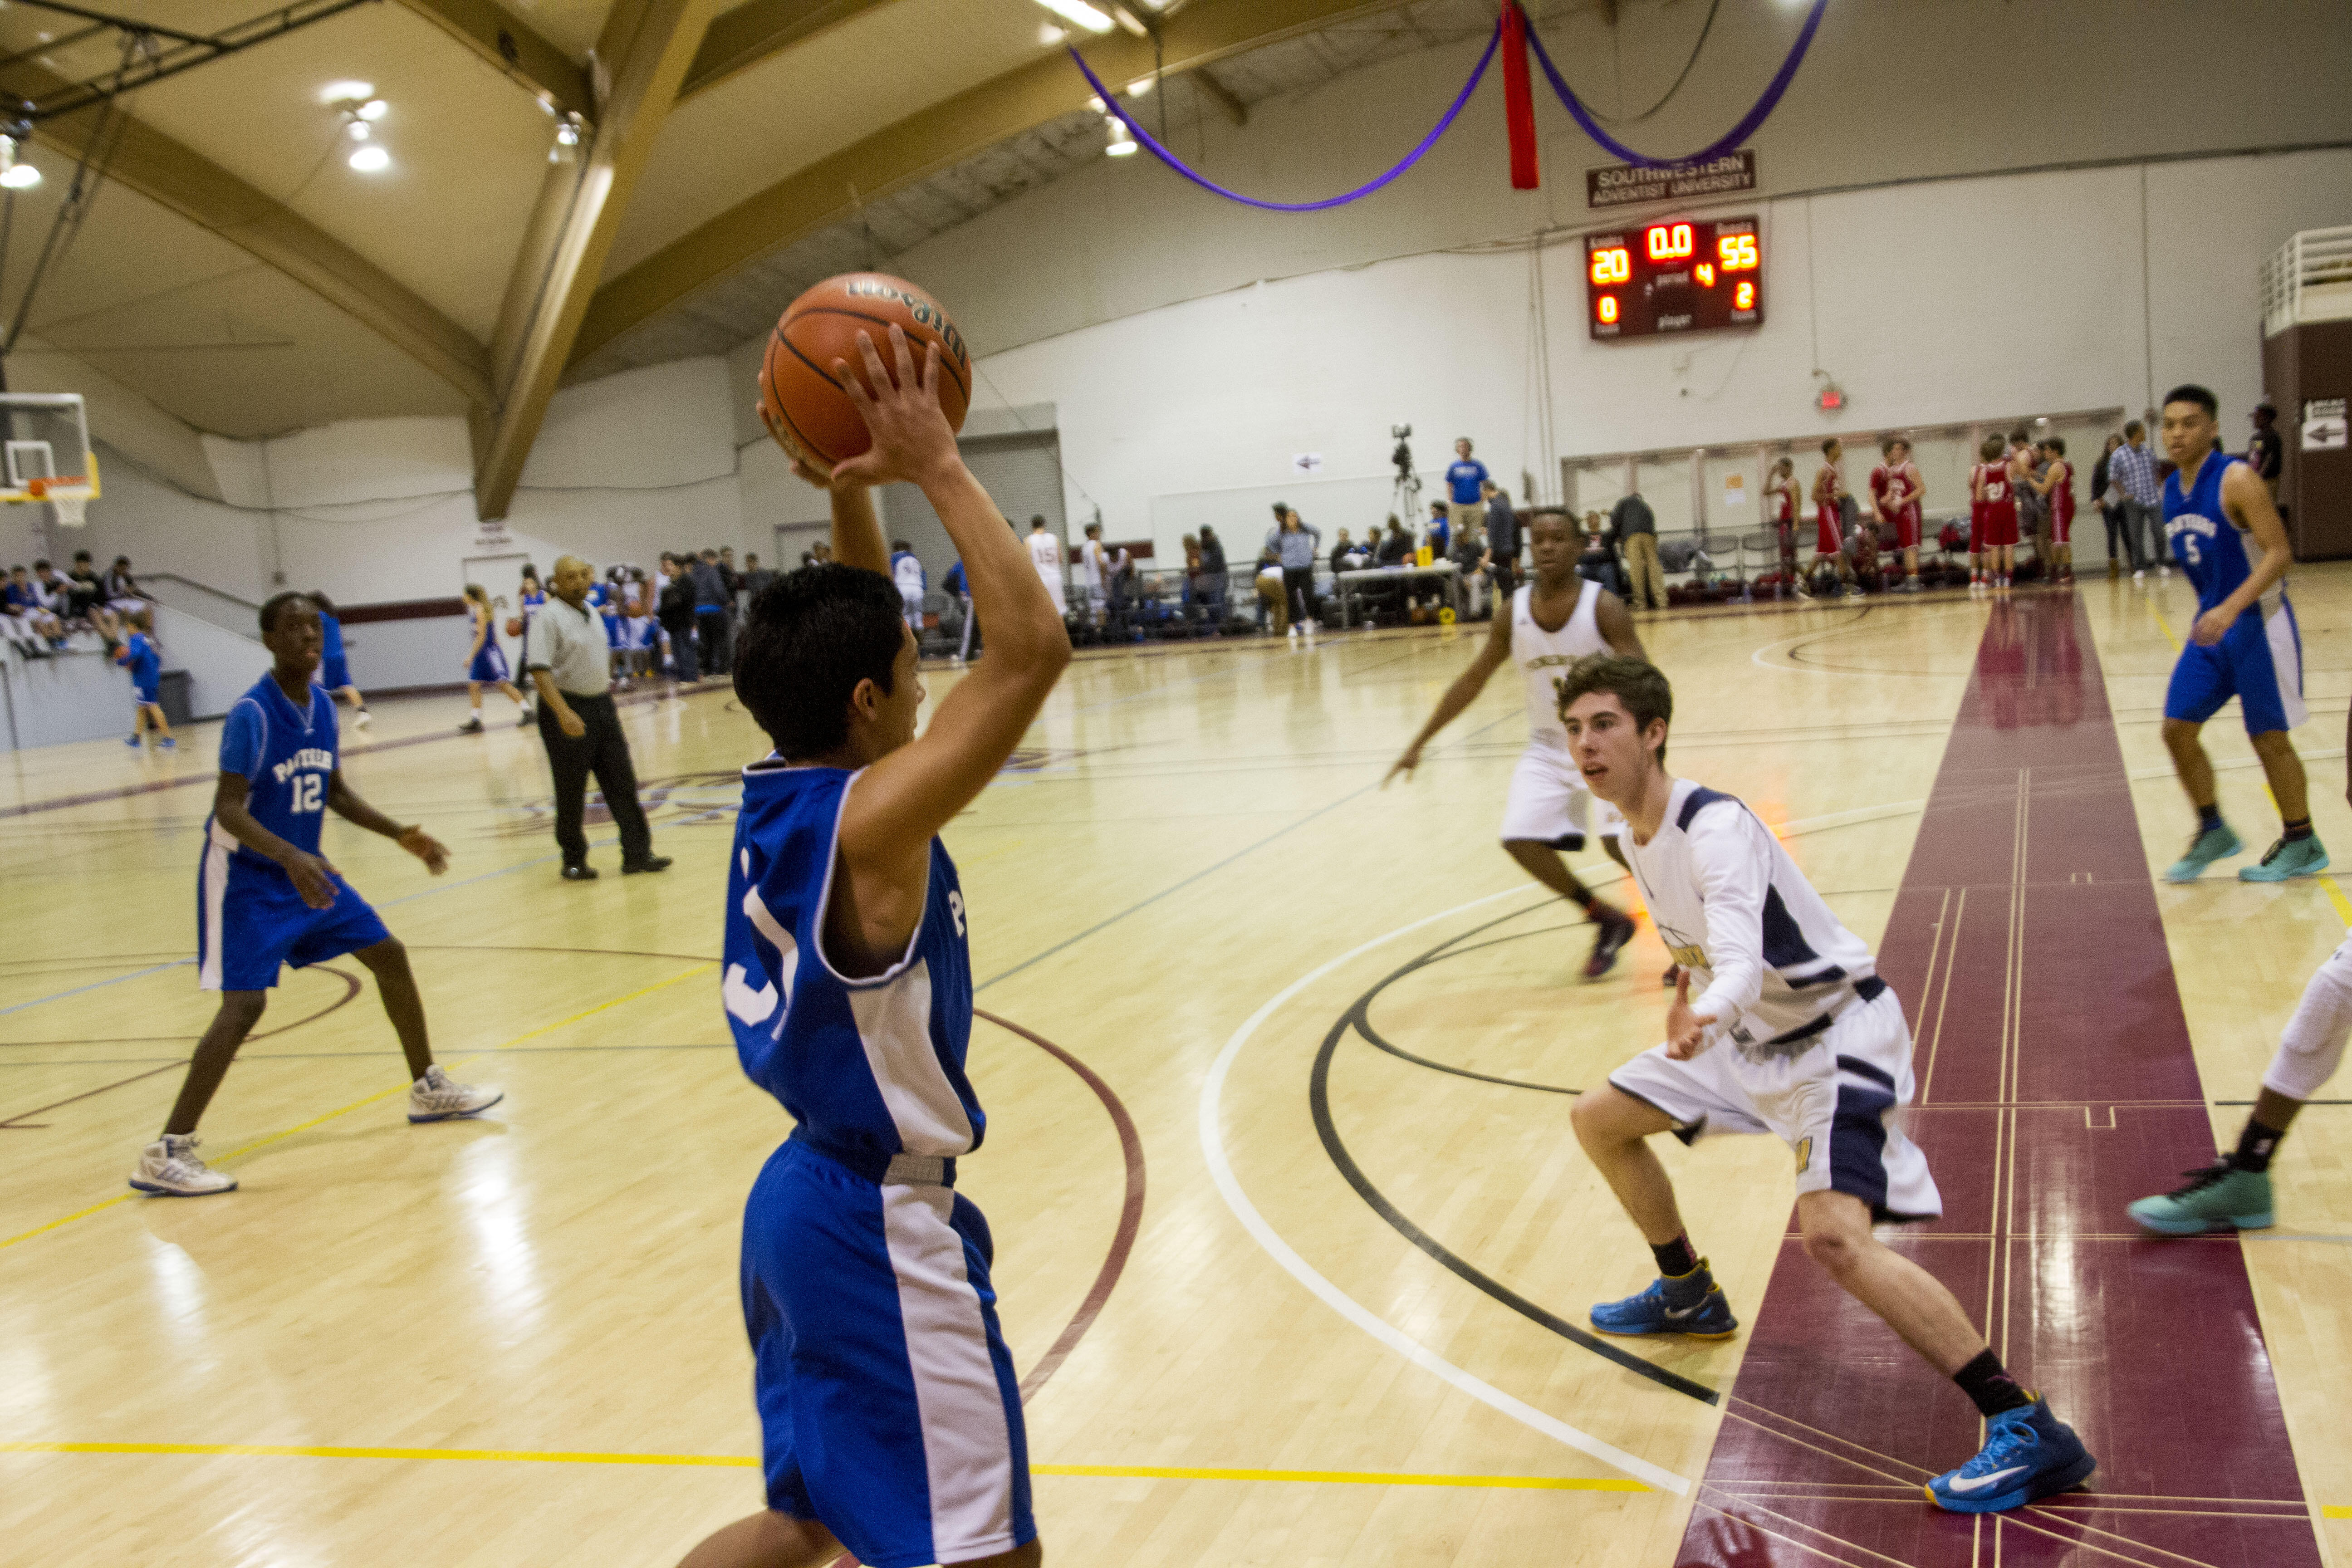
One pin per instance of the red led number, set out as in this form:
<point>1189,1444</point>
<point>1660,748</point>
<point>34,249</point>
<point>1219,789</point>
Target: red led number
<point>1736,252</point>
<point>1608,306</point>
<point>1743,297</point>
<point>1706,274</point>
<point>1612,266</point>
<point>1670,243</point>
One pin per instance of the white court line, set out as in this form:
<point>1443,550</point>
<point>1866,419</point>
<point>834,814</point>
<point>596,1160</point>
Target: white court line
<point>1212,1149</point>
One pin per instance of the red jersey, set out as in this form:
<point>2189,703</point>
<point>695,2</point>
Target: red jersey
<point>2062,500</point>
<point>1993,509</point>
<point>1903,519</point>
<point>1828,517</point>
<point>1787,495</point>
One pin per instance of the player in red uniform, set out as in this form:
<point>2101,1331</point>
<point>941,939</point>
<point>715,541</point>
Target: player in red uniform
<point>1895,491</point>
<point>1995,509</point>
<point>1828,543</point>
<point>1781,499</point>
<point>2056,488</point>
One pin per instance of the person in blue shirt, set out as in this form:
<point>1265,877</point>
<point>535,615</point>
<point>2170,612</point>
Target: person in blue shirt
<point>890,1412</point>
<point>334,668</point>
<point>145,661</point>
<point>960,588</point>
<point>1441,531</point>
<point>2222,526</point>
<point>266,897</point>
<point>1464,478</point>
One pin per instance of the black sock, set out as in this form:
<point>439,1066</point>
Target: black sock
<point>1581,899</point>
<point>1985,1381</point>
<point>2298,830</point>
<point>2209,817</point>
<point>2256,1145</point>
<point>1675,1259</point>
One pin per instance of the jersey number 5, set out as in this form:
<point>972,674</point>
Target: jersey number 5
<point>308,789</point>
<point>2188,547</point>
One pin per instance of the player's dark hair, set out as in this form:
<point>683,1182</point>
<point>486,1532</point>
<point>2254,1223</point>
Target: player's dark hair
<point>326,605</point>
<point>1990,448</point>
<point>2189,392</point>
<point>2133,429</point>
<point>1827,442</point>
<point>808,639</point>
<point>1886,445</point>
<point>274,604</point>
<point>2020,435</point>
<point>1637,683</point>
<point>2057,444</point>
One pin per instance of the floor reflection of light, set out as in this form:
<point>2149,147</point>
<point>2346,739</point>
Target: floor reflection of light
<point>179,1291</point>
<point>494,1207</point>
<point>24,1379</point>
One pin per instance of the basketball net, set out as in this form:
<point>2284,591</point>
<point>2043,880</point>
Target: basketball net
<point>67,511</point>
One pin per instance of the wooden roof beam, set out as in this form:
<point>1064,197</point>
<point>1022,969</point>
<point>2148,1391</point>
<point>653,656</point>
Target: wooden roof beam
<point>514,50</point>
<point>744,37</point>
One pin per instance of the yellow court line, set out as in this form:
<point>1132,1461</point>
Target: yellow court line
<point>736,1462</point>
<point>2336,1511</point>
<point>268,1139</point>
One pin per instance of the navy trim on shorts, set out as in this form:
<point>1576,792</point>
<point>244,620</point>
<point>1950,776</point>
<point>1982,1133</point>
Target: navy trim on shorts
<point>1858,1146</point>
<point>1860,1068</point>
<point>863,1163</point>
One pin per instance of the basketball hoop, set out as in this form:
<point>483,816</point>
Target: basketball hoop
<point>67,511</point>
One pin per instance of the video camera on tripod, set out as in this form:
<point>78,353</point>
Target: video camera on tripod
<point>1404,500</point>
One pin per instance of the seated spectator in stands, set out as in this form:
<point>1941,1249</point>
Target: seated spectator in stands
<point>27,606</point>
<point>1210,588</point>
<point>1273,594</point>
<point>122,593</point>
<point>84,592</point>
<point>1340,551</point>
<point>1396,548</point>
<point>49,592</point>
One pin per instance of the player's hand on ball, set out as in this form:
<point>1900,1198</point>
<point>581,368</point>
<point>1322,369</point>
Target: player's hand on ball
<point>911,437</point>
<point>314,879</point>
<point>425,847</point>
<point>2211,627</point>
<point>1686,1026</point>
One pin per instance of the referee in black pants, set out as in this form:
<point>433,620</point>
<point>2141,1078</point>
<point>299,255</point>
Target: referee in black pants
<point>572,664</point>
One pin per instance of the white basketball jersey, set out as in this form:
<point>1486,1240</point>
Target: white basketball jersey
<point>1544,657</point>
<point>1044,550</point>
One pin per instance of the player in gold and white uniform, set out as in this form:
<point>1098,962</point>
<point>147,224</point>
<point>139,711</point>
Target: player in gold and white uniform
<point>1551,623</point>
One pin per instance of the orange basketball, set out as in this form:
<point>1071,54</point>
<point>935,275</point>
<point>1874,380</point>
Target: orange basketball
<point>514,625</point>
<point>805,409</point>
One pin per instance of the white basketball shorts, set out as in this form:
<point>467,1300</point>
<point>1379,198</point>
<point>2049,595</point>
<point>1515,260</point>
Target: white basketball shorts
<point>1549,804</point>
<point>1838,1104</point>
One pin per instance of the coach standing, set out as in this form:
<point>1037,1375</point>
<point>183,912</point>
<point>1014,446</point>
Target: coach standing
<point>572,664</point>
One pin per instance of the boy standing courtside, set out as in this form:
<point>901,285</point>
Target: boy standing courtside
<point>140,656</point>
<point>1793,1034</point>
<point>892,1416</point>
<point>2245,643</point>
<point>1829,517</point>
<point>1553,621</point>
<point>266,897</point>
<point>1895,488</point>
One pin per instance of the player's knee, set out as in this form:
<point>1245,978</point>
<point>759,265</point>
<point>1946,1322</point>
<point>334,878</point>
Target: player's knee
<point>1837,1252</point>
<point>2181,734</point>
<point>387,954</point>
<point>1598,1120</point>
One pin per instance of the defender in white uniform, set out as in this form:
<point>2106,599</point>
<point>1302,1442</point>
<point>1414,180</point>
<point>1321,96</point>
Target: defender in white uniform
<point>1793,1034</point>
<point>1554,621</point>
<point>1045,555</point>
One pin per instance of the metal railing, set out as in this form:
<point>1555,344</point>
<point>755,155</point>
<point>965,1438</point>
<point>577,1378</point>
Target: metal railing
<point>229,612</point>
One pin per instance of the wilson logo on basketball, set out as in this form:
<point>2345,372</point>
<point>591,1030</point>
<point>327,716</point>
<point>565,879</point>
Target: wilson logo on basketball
<point>925,312</point>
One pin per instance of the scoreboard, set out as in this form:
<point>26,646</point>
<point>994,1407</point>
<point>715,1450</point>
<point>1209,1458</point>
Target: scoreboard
<point>1674,277</point>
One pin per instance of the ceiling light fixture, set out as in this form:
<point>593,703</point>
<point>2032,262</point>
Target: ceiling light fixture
<point>1049,35</point>
<point>358,128</point>
<point>16,176</point>
<point>374,109</point>
<point>571,130</point>
<point>347,92</point>
<point>1141,87</point>
<point>1079,12</point>
<point>1122,144</point>
<point>370,160</point>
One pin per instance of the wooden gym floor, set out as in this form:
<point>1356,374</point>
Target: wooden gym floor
<point>1294,1245</point>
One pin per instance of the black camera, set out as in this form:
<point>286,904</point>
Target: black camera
<point>1403,456</point>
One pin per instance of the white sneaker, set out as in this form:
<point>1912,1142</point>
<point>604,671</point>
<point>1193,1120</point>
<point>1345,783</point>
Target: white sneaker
<point>523,717</point>
<point>1294,628</point>
<point>438,1096</point>
<point>2164,571</point>
<point>361,720</point>
<point>171,1167</point>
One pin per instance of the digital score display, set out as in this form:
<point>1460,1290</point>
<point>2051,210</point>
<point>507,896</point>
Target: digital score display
<point>1674,277</point>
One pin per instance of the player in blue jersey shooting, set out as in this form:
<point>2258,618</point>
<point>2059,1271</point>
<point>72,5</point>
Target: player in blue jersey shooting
<point>266,897</point>
<point>2222,525</point>
<point>890,1412</point>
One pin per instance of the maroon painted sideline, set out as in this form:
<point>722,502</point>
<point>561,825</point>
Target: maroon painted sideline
<point>2057,1085</point>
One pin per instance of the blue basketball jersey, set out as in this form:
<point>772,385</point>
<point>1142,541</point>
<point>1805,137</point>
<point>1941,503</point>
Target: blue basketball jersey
<point>2209,546</point>
<point>868,1068</point>
<point>146,664</point>
<point>286,754</point>
<point>331,630</point>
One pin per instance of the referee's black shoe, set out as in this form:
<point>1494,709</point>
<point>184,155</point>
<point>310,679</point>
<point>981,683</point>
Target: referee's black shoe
<point>580,873</point>
<point>650,863</point>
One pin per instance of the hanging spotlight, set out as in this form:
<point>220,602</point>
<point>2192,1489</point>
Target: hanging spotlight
<point>1141,87</point>
<point>371,159</point>
<point>336,92</point>
<point>571,130</point>
<point>1122,142</point>
<point>374,109</point>
<point>14,175</point>
<point>1080,12</point>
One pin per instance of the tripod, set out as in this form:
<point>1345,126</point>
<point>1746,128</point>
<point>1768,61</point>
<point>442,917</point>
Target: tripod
<point>1405,501</point>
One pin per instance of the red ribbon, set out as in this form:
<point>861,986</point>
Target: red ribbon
<point>1519,102</point>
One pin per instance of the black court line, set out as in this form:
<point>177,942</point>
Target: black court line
<point>1336,1148</point>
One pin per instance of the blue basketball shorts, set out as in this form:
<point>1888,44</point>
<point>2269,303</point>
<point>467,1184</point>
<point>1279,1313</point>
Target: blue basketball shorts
<point>148,696</point>
<point>887,1403</point>
<point>489,665</point>
<point>250,922</point>
<point>2259,661</point>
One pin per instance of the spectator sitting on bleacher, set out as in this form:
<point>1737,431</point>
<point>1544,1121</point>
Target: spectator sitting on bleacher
<point>30,627</point>
<point>1347,555</point>
<point>1210,589</point>
<point>1396,548</point>
<point>122,593</point>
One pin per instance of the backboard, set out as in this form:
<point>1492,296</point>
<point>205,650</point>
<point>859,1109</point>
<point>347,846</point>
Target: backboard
<point>45,452</point>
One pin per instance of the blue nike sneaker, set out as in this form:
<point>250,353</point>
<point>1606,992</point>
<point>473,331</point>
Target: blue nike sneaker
<point>2298,858</point>
<point>2028,1454</point>
<point>2212,845</point>
<point>1649,1313</point>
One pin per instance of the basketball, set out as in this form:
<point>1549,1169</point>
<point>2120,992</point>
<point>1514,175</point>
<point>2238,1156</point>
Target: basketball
<point>805,409</point>
<point>514,625</point>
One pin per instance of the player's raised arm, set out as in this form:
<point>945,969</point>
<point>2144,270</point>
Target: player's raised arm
<point>889,818</point>
<point>1492,655</point>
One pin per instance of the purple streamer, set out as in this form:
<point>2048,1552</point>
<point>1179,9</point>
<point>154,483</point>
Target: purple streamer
<point>1110,101</point>
<point>1725,143</point>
